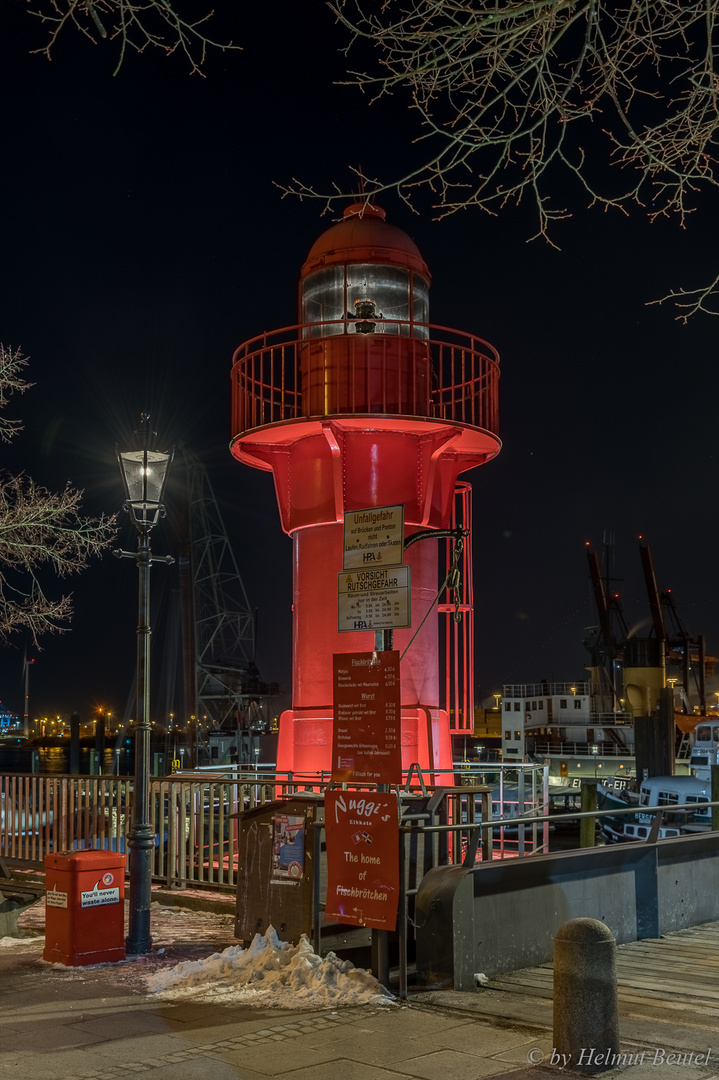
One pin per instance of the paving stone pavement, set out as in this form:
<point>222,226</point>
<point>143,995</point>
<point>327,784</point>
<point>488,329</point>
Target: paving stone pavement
<point>101,1023</point>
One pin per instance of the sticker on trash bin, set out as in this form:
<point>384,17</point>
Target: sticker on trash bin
<point>95,897</point>
<point>53,898</point>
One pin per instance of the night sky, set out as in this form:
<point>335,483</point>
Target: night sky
<point>144,238</point>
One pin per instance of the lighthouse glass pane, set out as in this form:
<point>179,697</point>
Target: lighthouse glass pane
<point>381,299</point>
<point>323,302</point>
<point>420,305</point>
<point>386,288</point>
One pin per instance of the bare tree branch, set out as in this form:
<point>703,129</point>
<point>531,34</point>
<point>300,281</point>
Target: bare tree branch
<point>11,364</point>
<point>692,301</point>
<point>506,92</point>
<point>134,24</point>
<point>43,535</point>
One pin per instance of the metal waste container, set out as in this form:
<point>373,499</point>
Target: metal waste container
<point>275,868</point>
<point>84,908</point>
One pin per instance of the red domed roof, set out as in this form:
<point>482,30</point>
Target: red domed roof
<point>364,236</point>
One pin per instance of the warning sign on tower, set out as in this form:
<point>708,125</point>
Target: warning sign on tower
<point>374,599</point>
<point>374,537</point>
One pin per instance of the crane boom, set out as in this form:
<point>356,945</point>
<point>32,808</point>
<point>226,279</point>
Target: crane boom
<point>650,579</point>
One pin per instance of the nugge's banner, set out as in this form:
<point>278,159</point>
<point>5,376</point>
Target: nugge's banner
<point>362,831</point>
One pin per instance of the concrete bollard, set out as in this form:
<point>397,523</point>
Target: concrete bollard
<point>586,1021</point>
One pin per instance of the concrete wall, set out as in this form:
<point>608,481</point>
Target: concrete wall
<point>502,916</point>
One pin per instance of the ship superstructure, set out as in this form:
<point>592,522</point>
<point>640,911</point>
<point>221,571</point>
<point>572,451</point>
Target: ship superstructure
<point>630,717</point>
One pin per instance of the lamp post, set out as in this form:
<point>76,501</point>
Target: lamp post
<point>144,475</point>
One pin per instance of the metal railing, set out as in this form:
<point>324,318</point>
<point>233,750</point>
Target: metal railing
<point>569,749</point>
<point>547,689</point>
<point>195,816</point>
<point>284,375</point>
<point>567,719</point>
<point>44,814</point>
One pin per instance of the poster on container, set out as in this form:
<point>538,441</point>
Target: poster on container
<point>362,834</point>
<point>288,847</point>
<point>366,718</point>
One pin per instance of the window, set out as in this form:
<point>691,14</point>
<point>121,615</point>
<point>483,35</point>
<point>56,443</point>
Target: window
<point>667,798</point>
<point>518,735</point>
<point>541,704</point>
<point>507,706</point>
<point>508,735</point>
<point>704,734</point>
<point>516,706</point>
<point>562,703</point>
<point>577,703</point>
<point>534,706</point>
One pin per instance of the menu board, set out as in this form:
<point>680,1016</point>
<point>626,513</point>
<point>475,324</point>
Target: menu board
<point>366,718</point>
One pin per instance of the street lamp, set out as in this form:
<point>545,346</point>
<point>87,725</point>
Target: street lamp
<point>144,475</point>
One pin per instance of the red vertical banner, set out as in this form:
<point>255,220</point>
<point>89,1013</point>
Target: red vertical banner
<point>366,709</point>
<point>362,833</point>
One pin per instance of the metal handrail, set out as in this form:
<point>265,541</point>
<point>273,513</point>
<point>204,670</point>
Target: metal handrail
<point>271,387</point>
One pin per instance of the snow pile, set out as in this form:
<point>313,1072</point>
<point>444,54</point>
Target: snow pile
<point>270,972</point>
<point>15,942</point>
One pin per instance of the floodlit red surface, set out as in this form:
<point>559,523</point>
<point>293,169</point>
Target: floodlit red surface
<point>348,420</point>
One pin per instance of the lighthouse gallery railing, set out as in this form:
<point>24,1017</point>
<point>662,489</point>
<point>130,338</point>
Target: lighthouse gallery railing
<point>267,385</point>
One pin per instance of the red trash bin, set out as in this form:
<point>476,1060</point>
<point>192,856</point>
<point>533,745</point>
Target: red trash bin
<point>84,908</point>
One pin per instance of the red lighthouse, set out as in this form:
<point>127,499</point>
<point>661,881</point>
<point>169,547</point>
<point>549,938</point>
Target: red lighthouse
<point>363,404</point>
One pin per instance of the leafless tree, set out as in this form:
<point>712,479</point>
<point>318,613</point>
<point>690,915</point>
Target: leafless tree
<point>43,535</point>
<point>134,24</point>
<point>508,92</point>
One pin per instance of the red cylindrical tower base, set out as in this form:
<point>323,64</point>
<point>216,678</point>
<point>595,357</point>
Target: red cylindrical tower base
<point>317,563</point>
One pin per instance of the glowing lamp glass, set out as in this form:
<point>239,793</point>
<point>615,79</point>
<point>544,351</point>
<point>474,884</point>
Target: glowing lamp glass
<point>144,474</point>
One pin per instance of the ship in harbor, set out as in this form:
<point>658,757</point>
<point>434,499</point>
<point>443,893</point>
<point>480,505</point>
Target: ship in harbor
<point>558,722</point>
<point>639,711</point>
<point>684,802</point>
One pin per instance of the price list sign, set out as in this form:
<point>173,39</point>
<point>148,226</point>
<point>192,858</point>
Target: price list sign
<point>366,725</point>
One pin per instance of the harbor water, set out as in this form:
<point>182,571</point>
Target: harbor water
<point>56,759</point>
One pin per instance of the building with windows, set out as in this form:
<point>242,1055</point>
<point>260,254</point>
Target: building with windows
<point>548,712</point>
